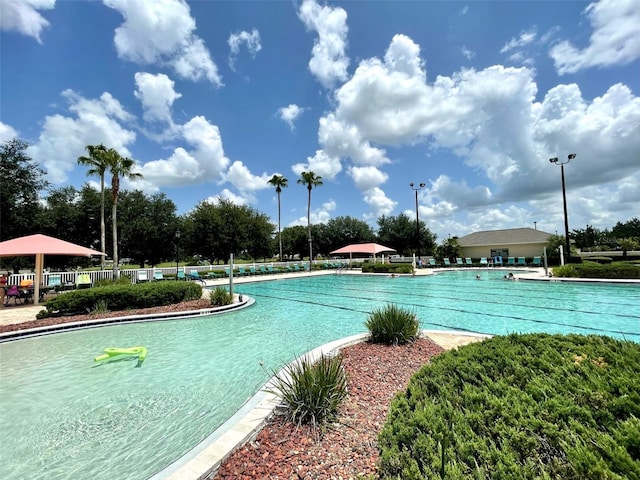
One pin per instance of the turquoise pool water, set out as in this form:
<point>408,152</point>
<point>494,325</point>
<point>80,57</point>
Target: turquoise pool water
<point>61,416</point>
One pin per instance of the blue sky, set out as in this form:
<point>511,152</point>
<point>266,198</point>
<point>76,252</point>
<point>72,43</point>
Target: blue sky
<point>212,98</point>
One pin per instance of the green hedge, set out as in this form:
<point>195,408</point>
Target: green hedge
<point>596,270</point>
<point>387,268</point>
<point>519,407</point>
<point>121,297</point>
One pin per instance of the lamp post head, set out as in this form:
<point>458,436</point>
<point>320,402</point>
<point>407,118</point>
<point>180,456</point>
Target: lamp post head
<point>422,185</point>
<point>411,184</point>
<point>554,160</point>
<point>178,234</point>
<point>571,156</point>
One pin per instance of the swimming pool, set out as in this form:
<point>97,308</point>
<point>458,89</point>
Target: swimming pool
<point>64,417</point>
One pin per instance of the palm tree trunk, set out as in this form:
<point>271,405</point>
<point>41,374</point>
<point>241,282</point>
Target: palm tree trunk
<point>116,270</point>
<point>279,229</point>
<point>309,228</point>
<point>103,237</point>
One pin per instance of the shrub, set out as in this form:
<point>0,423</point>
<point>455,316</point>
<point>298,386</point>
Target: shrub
<point>521,406</point>
<point>392,324</point>
<point>121,280</point>
<point>387,268</point>
<point>595,270</point>
<point>311,392</point>
<point>220,296</point>
<point>121,297</point>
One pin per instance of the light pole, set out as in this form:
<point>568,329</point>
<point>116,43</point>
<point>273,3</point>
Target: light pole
<point>177,253</point>
<point>567,254</point>
<point>417,189</point>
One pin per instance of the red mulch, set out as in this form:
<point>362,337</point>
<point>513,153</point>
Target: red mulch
<point>349,448</point>
<point>45,322</point>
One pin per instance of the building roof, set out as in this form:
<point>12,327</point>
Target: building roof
<point>509,236</point>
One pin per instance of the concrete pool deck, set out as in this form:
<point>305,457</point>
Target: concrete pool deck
<point>203,461</point>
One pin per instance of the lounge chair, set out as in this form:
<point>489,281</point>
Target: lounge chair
<point>83,281</point>
<point>432,263</point>
<point>263,270</point>
<point>142,276</point>
<point>468,262</point>
<point>447,263</point>
<point>459,262</point>
<point>522,262</point>
<point>497,260</point>
<point>54,281</point>
<point>270,269</point>
<point>195,275</point>
<point>537,262</point>
<point>158,275</point>
<point>181,275</point>
<point>252,271</point>
<point>483,261</point>
<point>511,262</point>
<point>242,272</point>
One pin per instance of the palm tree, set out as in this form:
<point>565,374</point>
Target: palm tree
<point>119,167</point>
<point>97,161</point>
<point>279,182</point>
<point>310,179</point>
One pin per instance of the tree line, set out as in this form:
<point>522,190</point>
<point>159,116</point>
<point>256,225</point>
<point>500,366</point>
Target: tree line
<point>148,230</point>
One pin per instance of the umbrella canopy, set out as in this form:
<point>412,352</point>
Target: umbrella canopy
<point>41,245</point>
<point>370,248</point>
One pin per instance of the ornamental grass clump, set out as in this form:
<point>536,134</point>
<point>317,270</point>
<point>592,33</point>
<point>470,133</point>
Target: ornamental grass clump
<point>311,393</point>
<point>220,297</point>
<point>393,325</point>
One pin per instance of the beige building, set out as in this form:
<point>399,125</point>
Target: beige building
<point>512,242</point>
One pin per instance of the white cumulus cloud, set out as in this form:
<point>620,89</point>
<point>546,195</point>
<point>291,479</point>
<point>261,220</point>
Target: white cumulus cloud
<point>22,16</point>
<point>329,61</point>
<point>157,94</point>
<point>290,114</point>
<point>162,32</point>
<point>250,39</point>
<point>7,132</point>
<point>615,39</point>
<point>64,138</point>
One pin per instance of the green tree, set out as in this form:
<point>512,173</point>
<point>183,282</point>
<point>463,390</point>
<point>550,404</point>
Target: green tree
<point>65,213</point>
<point>310,179</point>
<point>341,231</point>
<point>629,229</point>
<point>88,204</point>
<point>120,167</point>
<point>98,162</point>
<point>148,226</point>
<point>627,244</point>
<point>60,215</point>
<point>218,230</point>
<point>259,235</point>
<point>294,241</point>
<point>450,248</point>
<point>398,233</point>
<point>21,181</point>
<point>279,182</point>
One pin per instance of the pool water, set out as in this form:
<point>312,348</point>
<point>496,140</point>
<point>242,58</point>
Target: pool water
<point>63,416</point>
